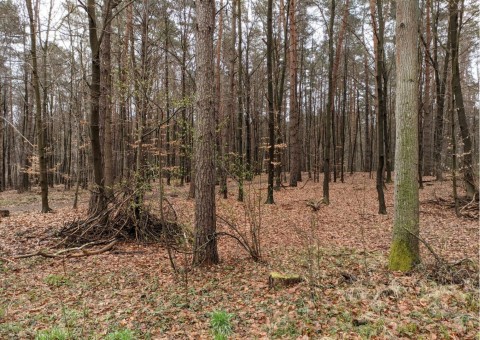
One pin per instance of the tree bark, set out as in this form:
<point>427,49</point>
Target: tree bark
<point>271,113</point>
<point>98,200</point>
<point>205,247</point>
<point>330,109</point>
<point>294,125</point>
<point>404,251</point>
<point>381,102</point>
<point>468,176</point>
<point>38,111</point>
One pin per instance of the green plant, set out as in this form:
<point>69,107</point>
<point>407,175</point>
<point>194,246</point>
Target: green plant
<point>286,328</point>
<point>56,280</point>
<point>53,334</point>
<point>409,329</point>
<point>220,321</point>
<point>123,334</point>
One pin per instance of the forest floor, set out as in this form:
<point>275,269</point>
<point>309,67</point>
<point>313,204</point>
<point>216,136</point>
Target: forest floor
<point>131,292</point>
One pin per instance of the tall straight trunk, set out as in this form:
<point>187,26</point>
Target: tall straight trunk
<point>368,132</point>
<point>168,131</point>
<point>342,131</point>
<point>278,96</point>
<point>271,113</point>
<point>98,199</point>
<point>381,103</point>
<point>38,110</point>
<point>241,174</point>
<point>248,127</point>
<point>220,114</point>
<point>427,107</point>
<point>184,129</point>
<point>404,251</point>
<point>356,133</point>
<point>25,162</point>
<point>294,124</point>
<point>468,176</point>
<point>205,247</point>
<point>106,100</point>
<point>440,87</point>
<point>3,125</point>
<point>330,108</point>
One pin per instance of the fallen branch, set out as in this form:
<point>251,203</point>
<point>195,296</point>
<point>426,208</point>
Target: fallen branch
<point>63,252</point>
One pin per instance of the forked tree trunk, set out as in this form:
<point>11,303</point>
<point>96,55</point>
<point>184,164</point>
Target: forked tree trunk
<point>205,247</point>
<point>404,251</point>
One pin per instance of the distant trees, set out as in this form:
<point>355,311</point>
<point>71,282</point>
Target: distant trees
<point>287,98</point>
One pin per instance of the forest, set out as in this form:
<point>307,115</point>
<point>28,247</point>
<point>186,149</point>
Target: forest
<point>243,169</point>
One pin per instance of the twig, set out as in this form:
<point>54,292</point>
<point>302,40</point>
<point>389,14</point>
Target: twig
<point>60,253</point>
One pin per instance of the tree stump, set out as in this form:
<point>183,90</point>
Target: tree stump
<point>4,213</point>
<point>276,279</point>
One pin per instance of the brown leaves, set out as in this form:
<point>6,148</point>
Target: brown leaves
<point>340,250</point>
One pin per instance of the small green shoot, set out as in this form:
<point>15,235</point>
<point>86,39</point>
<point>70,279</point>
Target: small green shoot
<point>123,334</point>
<point>53,334</point>
<point>56,280</point>
<point>221,325</point>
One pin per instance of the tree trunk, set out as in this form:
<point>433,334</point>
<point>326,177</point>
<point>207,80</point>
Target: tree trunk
<point>294,124</point>
<point>468,176</point>
<point>271,113</point>
<point>106,99</point>
<point>330,109</point>
<point>381,104</point>
<point>427,107</point>
<point>205,248</point>
<point>404,251</point>
<point>241,171</point>
<point>38,111</point>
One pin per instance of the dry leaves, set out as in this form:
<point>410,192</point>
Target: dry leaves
<point>134,287</point>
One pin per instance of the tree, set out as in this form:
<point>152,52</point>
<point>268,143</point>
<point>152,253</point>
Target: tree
<point>98,199</point>
<point>38,110</point>
<point>294,126</point>
<point>205,248</point>
<point>330,109</point>
<point>271,113</point>
<point>380,78</point>
<point>468,177</point>
<point>404,251</point>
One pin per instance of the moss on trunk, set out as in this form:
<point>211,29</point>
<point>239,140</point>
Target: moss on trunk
<point>403,257</point>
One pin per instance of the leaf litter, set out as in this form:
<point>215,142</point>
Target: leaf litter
<point>340,250</point>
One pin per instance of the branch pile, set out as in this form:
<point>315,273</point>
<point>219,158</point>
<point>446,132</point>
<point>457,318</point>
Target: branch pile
<point>124,219</point>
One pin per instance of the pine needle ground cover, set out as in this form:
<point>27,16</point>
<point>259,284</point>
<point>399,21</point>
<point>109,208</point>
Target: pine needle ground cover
<point>340,251</point>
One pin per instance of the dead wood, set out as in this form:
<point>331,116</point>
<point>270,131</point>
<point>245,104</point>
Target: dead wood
<point>70,252</point>
<point>124,219</point>
<point>276,280</point>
